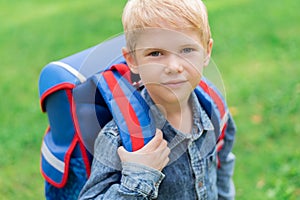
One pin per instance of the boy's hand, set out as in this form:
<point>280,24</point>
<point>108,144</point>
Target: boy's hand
<point>154,154</point>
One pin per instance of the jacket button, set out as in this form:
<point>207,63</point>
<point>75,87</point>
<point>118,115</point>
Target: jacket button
<point>200,184</point>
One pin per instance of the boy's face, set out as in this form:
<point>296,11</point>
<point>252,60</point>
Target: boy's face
<point>169,62</point>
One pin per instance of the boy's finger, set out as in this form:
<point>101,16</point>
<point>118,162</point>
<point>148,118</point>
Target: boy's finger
<point>121,148</point>
<point>155,142</point>
<point>122,152</point>
<point>162,145</point>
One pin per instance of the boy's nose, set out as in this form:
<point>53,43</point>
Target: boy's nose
<point>174,64</point>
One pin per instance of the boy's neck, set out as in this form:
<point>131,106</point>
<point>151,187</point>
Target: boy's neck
<point>180,116</point>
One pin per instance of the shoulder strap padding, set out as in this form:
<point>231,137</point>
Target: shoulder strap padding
<point>130,111</point>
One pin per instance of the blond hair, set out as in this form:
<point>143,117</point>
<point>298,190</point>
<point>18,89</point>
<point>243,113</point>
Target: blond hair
<point>141,14</point>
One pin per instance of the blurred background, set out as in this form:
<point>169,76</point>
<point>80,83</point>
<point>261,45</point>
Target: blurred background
<point>256,49</point>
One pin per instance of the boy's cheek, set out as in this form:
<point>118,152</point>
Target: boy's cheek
<point>151,69</point>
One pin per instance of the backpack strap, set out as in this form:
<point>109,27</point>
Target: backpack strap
<point>128,108</point>
<point>219,103</point>
<point>124,98</point>
<point>214,105</point>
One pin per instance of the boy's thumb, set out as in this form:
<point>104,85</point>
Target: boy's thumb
<point>155,142</point>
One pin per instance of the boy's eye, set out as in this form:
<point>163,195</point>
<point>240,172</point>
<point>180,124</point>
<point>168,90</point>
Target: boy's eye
<point>187,50</point>
<point>154,53</point>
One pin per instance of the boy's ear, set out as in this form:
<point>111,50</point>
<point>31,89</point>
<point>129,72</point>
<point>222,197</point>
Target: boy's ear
<point>130,60</point>
<point>208,52</point>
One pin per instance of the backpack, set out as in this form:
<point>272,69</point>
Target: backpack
<point>83,92</point>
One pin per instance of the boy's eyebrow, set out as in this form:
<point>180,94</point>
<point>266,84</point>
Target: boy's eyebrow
<point>153,48</point>
<point>149,49</point>
<point>193,45</point>
<point>190,45</point>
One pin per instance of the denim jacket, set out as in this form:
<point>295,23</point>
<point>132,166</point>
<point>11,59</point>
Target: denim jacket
<point>191,173</point>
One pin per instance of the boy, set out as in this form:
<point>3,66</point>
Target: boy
<point>168,44</point>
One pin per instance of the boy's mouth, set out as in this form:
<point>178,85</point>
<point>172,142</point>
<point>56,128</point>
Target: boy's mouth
<point>174,83</point>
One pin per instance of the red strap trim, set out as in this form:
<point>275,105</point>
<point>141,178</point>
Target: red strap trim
<point>221,107</point>
<point>218,162</point>
<point>61,86</point>
<point>78,136</point>
<point>220,144</point>
<point>214,95</point>
<point>127,111</point>
<point>123,70</point>
<point>223,132</point>
<point>84,156</point>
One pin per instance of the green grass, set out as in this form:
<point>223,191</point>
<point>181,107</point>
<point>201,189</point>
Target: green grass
<point>256,50</point>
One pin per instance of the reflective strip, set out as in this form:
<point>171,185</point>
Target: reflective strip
<point>71,70</point>
<point>224,120</point>
<point>55,162</point>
